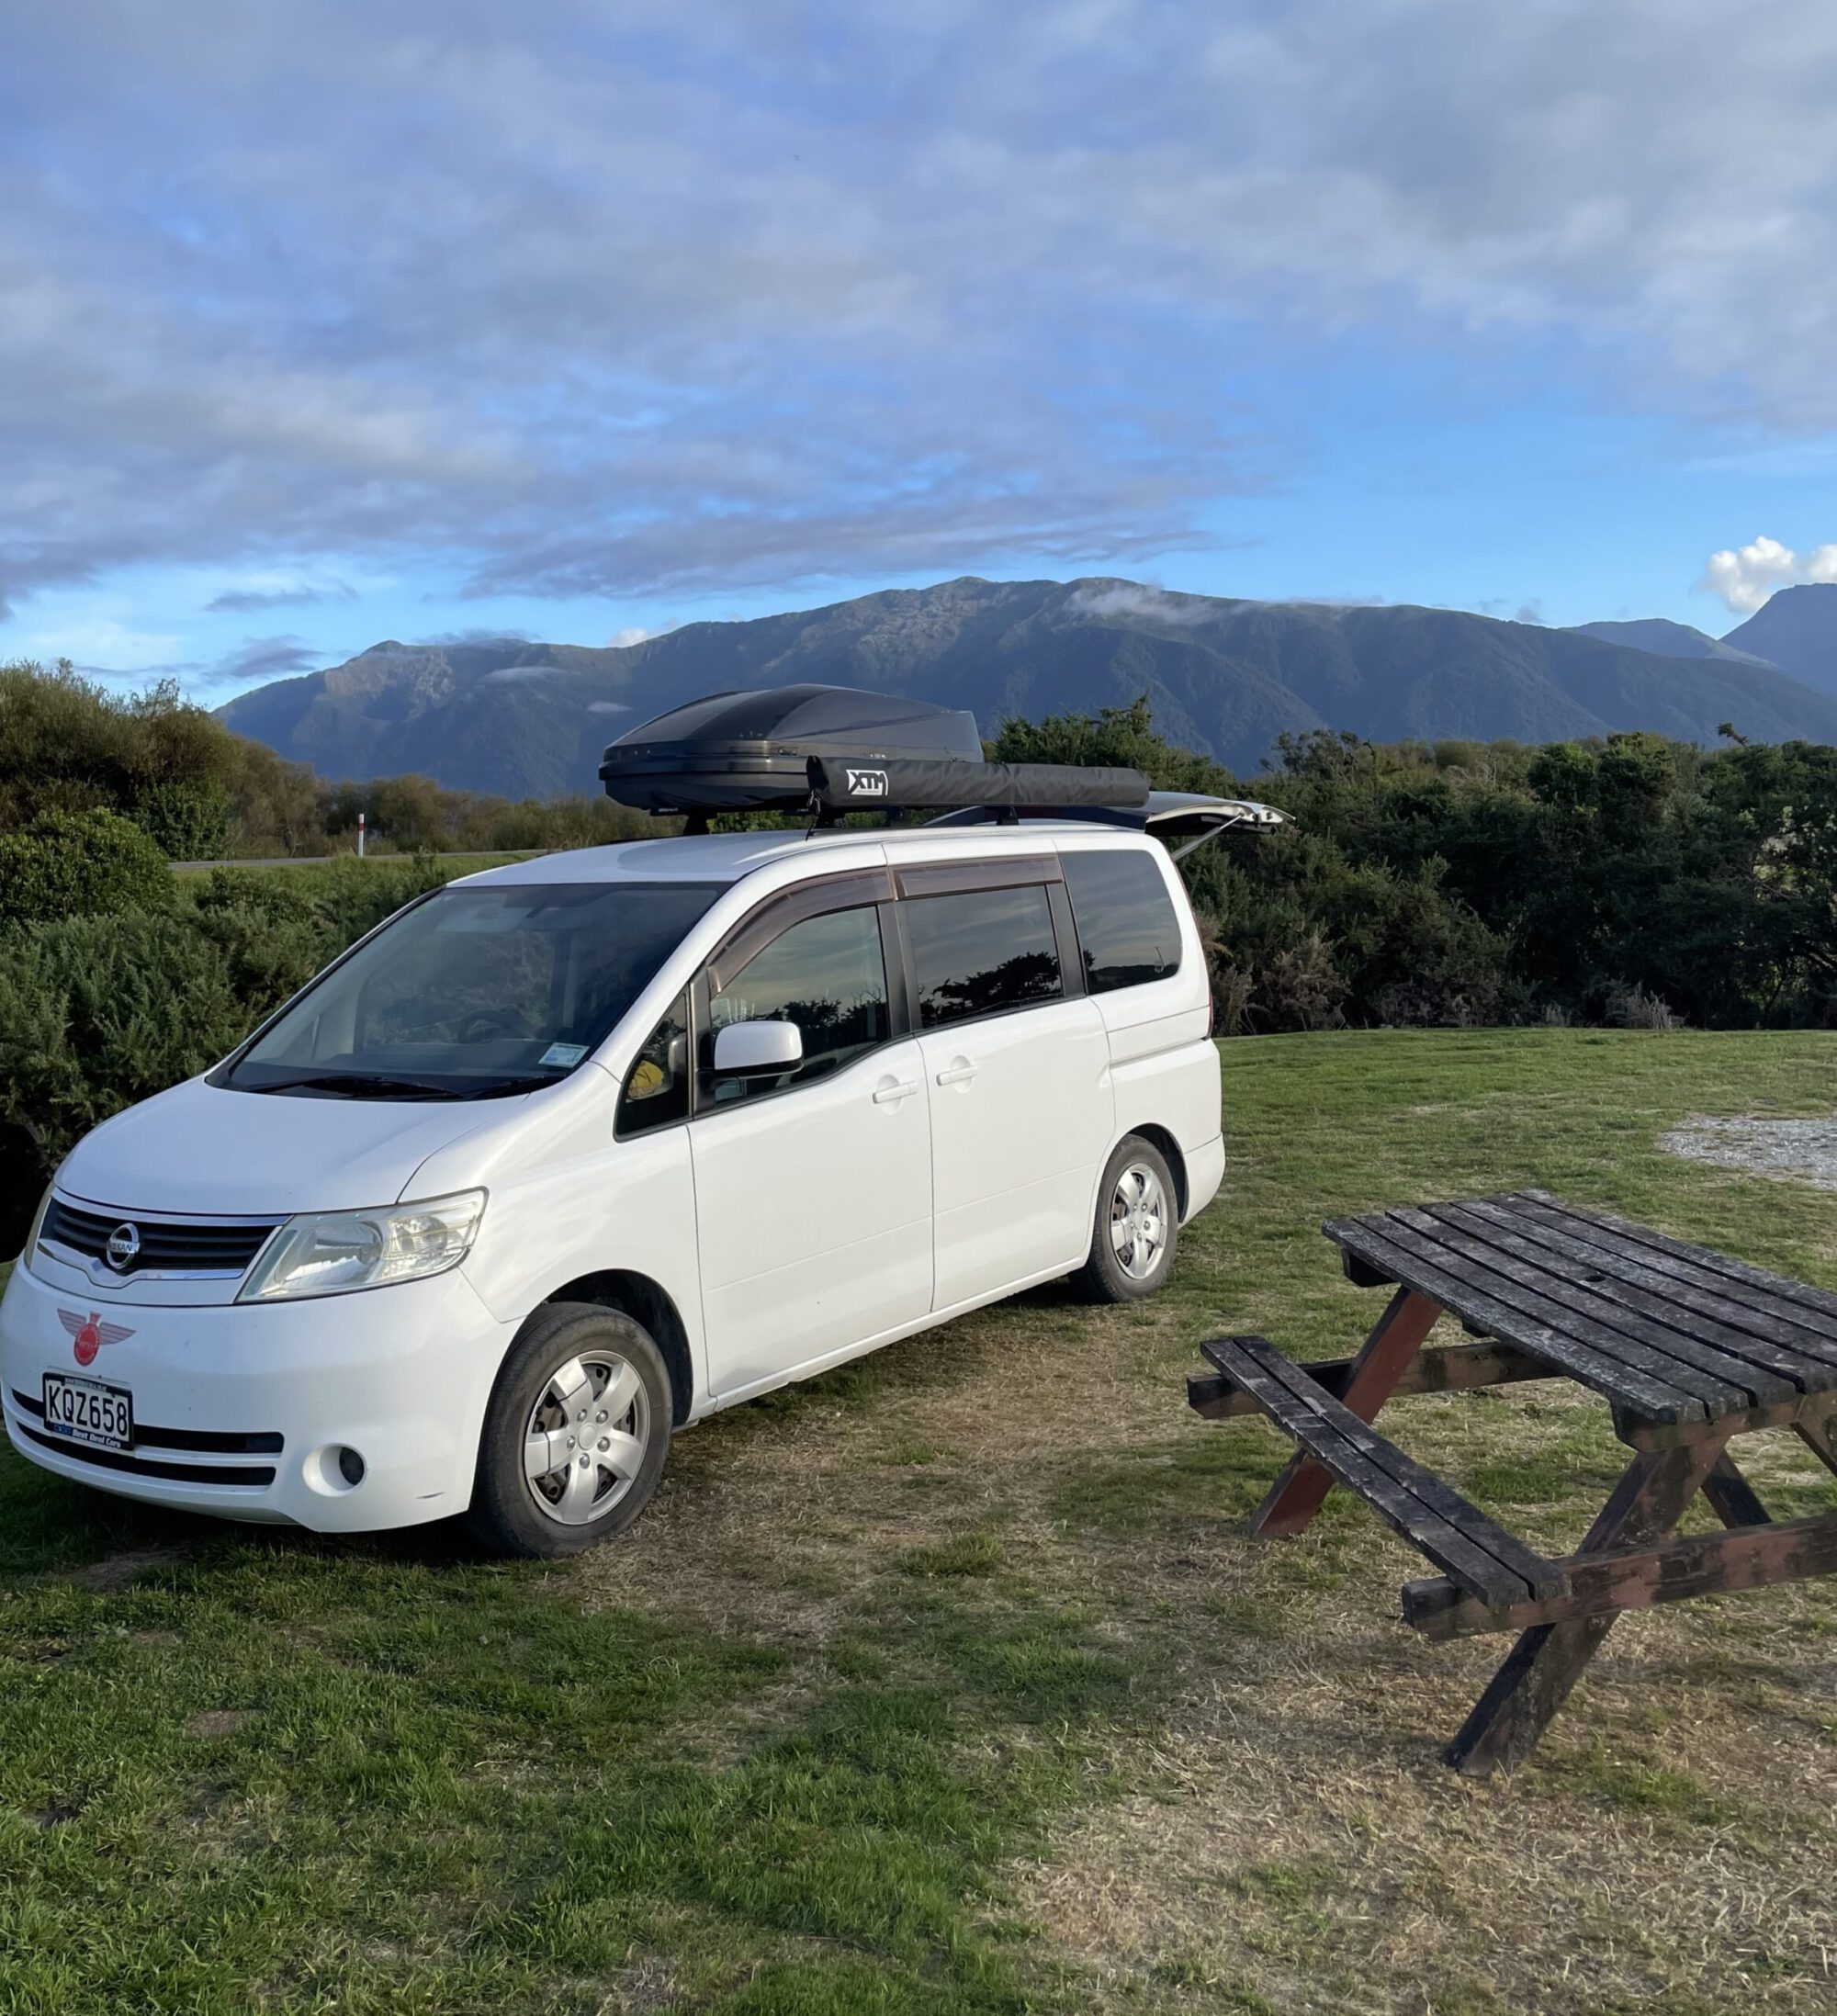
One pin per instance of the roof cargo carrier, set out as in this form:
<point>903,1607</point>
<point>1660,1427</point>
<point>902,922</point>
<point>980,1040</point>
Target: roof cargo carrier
<point>823,751</point>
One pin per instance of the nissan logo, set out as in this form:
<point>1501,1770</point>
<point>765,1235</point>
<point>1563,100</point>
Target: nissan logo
<point>123,1249</point>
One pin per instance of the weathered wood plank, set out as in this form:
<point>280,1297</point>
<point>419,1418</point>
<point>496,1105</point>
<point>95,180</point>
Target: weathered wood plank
<point>1760,1312</point>
<point>1699,1564</point>
<point>1518,1560</point>
<point>1526,1288</point>
<point>1729,1326</point>
<point>1820,1303</point>
<point>1473,1549</point>
<point>1394,1342</point>
<point>1721,1378</point>
<point>1657,1399</point>
<point>1544,1665</point>
<point>1448,1369</point>
<point>1670,1435</point>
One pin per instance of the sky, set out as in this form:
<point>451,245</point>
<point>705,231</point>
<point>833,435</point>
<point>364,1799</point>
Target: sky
<point>325,323</point>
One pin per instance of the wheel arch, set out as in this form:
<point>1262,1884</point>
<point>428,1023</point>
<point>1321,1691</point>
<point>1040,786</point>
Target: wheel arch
<point>1158,1137</point>
<point>648,1302</point>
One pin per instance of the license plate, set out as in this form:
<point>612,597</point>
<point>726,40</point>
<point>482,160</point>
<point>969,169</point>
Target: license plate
<point>83,1410</point>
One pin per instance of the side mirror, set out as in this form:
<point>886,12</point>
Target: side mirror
<point>757,1049</point>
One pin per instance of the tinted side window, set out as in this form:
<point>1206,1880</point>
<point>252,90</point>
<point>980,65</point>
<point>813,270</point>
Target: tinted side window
<point>981,951</point>
<point>656,1091</point>
<point>1127,928</point>
<point>826,974</point>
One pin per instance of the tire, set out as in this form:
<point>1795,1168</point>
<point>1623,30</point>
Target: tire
<point>1137,1190</point>
<point>540,1404</point>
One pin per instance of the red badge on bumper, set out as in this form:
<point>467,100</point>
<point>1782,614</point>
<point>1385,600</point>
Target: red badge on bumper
<point>88,1335</point>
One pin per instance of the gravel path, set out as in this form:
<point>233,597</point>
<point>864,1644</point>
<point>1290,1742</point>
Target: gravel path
<point>1801,1149</point>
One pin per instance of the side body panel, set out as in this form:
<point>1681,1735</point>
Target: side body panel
<point>1021,1118</point>
<point>814,1213</point>
<point>1165,1070</point>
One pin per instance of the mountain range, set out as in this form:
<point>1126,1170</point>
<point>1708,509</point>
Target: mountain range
<point>1223,676</point>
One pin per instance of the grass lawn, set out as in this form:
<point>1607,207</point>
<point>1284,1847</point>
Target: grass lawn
<point>947,1683</point>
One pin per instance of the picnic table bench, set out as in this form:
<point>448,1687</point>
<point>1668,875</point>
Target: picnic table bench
<point>1689,1347</point>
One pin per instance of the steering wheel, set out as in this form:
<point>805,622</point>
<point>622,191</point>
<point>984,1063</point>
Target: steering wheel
<point>484,1023</point>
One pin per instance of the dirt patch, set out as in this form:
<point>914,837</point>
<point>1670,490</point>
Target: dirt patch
<point>217,1722</point>
<point>777,1518</point>
<point>115,1572</point>
<point>1292,1841</point>
<point>1802,1151</point>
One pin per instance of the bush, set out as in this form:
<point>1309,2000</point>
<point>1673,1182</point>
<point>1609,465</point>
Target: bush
<point>80,864</point>
<point>186,820</point>
<point>98,1012</point>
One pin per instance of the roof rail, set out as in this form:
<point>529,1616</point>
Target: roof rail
<point>1169,816</point>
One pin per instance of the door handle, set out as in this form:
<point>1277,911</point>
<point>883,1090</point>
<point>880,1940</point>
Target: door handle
<point>957,1073</point>
<point>885,1094</point>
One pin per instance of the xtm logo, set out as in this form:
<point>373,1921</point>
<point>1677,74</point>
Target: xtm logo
<point>88,1338</point>
<point>867,783</point>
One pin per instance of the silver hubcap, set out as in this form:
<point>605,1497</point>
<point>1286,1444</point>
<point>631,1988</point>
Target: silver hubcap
<point>586,1438</point>
<point>1138,1221</point>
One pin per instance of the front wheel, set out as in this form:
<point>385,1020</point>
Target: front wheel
<point>1137,1227</point>
<point>576,1433</point>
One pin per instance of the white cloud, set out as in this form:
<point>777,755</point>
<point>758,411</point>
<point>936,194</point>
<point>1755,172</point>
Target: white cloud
<point>1135,599</point>
<point>273,588</point>
<point>510,672</point>
<point>608,706</point>
<point>1745,576</point>
<point>621,640</point>
<point>619,301</point>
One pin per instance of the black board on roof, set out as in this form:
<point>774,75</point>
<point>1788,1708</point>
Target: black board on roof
<point>827,751</point>
<point>752,751</point>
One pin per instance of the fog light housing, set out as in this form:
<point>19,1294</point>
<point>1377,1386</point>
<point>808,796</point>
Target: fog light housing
<point>350,1466</point>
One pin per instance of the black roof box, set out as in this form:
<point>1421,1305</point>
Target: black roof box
<point>753,752</point>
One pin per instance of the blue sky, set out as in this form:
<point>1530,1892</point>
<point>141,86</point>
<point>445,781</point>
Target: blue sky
<point>321,324</point>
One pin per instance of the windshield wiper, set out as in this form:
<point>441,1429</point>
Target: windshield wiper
<point>358,1082</point>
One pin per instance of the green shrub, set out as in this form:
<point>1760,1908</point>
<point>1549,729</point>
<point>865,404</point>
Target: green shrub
<point>186,820</point>
<point>98,1012</point>
<point>350,897</point>
<point>80,864</point>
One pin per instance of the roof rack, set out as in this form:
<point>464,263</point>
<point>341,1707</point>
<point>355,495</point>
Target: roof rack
<point>824,752</point>
<point>1169,816</point>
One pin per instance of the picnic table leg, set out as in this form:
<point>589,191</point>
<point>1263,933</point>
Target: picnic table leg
<point>1733,1496</point>
<point>1396,1337</point>
<point>1814,1431</point>
<point>1546,1662</point>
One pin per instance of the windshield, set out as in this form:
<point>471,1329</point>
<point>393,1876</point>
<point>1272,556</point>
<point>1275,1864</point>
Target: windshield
<point>476,993</point>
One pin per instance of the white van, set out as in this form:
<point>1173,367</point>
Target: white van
<point>568,1154</point>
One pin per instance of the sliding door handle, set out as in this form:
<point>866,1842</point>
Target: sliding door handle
<point>960,1072</point>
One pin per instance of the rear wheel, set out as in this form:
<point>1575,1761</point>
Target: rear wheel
<point>1137,1226</point>
<point>576,1435</point>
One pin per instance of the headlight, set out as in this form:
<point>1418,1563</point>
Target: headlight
<point>28,1251</point>
<point>331,1253</point>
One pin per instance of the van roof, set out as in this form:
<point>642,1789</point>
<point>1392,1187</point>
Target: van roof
<point>727,857</point>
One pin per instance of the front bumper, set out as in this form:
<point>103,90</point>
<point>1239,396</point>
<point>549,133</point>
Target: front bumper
<point>241,1410</point>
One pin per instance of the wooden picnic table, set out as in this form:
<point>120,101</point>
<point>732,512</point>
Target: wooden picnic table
<point>1689,1347</point>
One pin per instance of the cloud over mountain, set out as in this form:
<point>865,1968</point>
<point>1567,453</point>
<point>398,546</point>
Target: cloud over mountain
<point>1745,576</point>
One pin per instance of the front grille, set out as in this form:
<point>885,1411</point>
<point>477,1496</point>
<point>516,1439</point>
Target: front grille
<point>205,1246</point>
<point>201,1440</point>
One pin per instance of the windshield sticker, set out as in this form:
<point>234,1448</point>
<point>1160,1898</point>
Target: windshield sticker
<point>563,1054</point>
